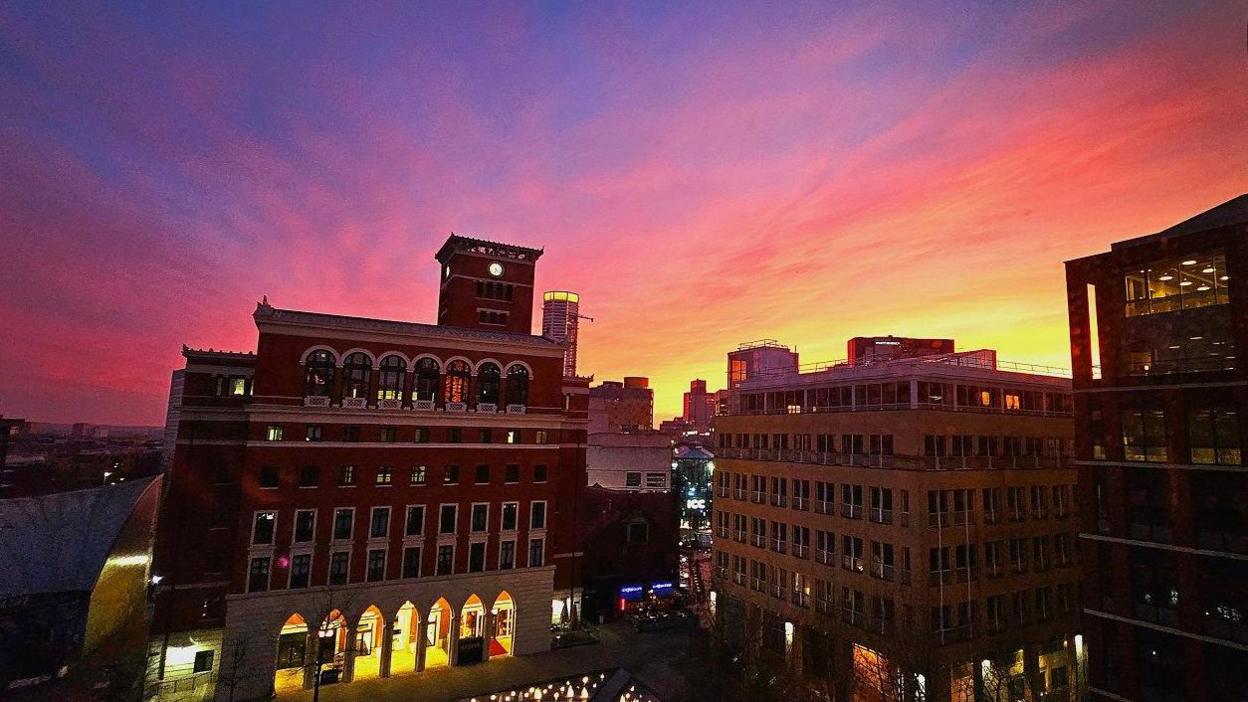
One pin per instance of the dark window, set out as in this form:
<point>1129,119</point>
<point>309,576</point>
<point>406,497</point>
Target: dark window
<point>476,557</point>
<point>451,476</point>
<point>355,372</point>
<point>428,378</point>
<point>411,562</point>
<point>313,432</point>
<point>488,383</point>
<point>483,474</point>
<point>537,517</point>
<point>510,510</point>
<point>376,565</point>
<point>480,514</point>
<point>343,519</point>
<point>415,521</point>
<point>446,556</point>
<point>318,374</point>
<point>300,566</point>
<point>517,385</point>
<point>380,524</point>
<point>446,519</point>
<point>339,566</point>
<point>422,435</point>
<point>203,661</point>
<point>268,477</point>
<point>539,473</point>
<point>638,533</point>
<point>305,522</point>
<point>388,434</point>
<point>536,547</point>
<point>262,531</point>
<point>454,435</point>
<point>309,476</point>
<point>351,434</point>
<point>506,555</point>
<point>1144,435</point>
<point>511,473</point>
<point>258,575</point>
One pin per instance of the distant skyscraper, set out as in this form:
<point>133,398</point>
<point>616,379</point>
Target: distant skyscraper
<point>561,315</point>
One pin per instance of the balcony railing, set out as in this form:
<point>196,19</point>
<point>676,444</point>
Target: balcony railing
<point>355,402</point>
<point>487,408</point>
<point>457,407</point>
<point>390,404</point>
<point>517,409</point>
<point>424,405</point>
<point>316,401</point>
<point>831,458</point>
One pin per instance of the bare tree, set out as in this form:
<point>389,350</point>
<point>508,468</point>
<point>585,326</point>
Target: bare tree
<point>329,599</point>
<point>232,665</point>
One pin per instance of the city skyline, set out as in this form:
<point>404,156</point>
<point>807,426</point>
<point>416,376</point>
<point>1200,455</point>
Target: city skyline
<point>790,172</point>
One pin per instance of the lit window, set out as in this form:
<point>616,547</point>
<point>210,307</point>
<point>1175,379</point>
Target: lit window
<point>273,432</point>
<point>203,661</point>
<point>383,475</point>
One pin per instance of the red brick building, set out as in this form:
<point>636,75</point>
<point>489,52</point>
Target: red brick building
<point>366,497</point>
<point>1157,326</point>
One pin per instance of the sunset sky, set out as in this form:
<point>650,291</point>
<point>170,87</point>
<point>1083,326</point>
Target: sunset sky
<point>703,175</point>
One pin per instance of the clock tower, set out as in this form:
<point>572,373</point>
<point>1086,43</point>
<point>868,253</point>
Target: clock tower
<point>486,285</point>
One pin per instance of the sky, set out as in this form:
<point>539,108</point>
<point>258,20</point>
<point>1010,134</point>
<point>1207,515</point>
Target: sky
<point>704,174</point>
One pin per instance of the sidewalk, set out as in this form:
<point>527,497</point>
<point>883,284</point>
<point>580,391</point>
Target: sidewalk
<point>647,656</point>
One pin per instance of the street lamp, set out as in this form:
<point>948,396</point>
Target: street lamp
<point>106,474</point>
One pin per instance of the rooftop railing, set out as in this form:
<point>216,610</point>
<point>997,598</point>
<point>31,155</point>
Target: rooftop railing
<point>829,458</point>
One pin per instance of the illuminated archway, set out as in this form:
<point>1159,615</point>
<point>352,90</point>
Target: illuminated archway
<point>438,634</point>
<point>472,618</point>
<point>502,639</point>
<point>367,645</point>
<point>292,646</point>
<point>407,633</point>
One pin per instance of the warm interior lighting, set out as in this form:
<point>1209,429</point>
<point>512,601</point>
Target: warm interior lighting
<point>1166,277</point>
<point>1190,262</point>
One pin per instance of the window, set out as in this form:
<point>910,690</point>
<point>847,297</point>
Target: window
<point>632,479</point>
<point>203,661</point>
<point>318,375</point>
<point>656,480</point>
<point>480,516</point>
<point>428,380</point>
<point>537,515</point>
<point>379,526</point>
<point>457,378</point>
<point>513,436</point>
<point>344,518</point>
<point>485,436</point>
<point>411,562</point>
<point>539,436</point>
<point>305,525</point>
<point>536,549</point>
<point>1197,280</point>
<point>422,435</point>
<point>446,559</point>
<point>517,385</point>
<point>447,518</point>
<point>510,510</point>
<point>258,575</point>
<point>309,476</point>
<point>390,380</point>
<point>262,527</point>
<point>638,532</point>
<point>476,557</point>
<point>539,473</point>
<point>273,432</point>
<point>351,434</point>
<point>388,435</point>
<point>1214,433</point>
<point>346,476</point>
<point>489,380</point>
<point>415,521</point>
<point>511,473</point>
<point>300,568</point>
<point>419,474</point>
<point>313,432</point>
<point>268,477</point>
<point>506,554</point>
<point>454,435</point>
<point>482,475</point>
<point>376,565</point>
<point>382,477</point>
<point>355,372</point>
<point>339,567</point>
<point>451,475</point>
<point>1144,435</point>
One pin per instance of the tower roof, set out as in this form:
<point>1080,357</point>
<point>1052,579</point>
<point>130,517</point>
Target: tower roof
<point>482,247</point>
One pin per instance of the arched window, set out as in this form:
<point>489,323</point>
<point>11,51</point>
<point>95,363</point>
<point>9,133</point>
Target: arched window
<point>355,372</point>
<point>489,379</point>
<point>318,376</point>
<point>390,382</point>
<point>428,378</point>
<point>456,388</point>
<point>517,385</point>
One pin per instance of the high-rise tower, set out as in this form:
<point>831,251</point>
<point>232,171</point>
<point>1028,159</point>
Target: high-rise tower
<point>560,319</point>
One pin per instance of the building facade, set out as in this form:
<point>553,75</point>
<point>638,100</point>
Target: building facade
<point>1156,328</point>
<point>561,321</point>
<point>366,498</point>
<point>699,405</point>
<point>902,526</point>
<point>638,462</point>
<point>626,406</point>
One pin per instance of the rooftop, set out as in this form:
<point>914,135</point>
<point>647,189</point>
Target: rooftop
<point>1229,213</point>
<point>266,313</point>
<point>463,244</point>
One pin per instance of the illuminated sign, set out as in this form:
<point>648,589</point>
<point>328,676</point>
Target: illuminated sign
<point>695,503</point>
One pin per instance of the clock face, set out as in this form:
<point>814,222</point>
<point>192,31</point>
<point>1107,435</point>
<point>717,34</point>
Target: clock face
<point>496,269</point>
